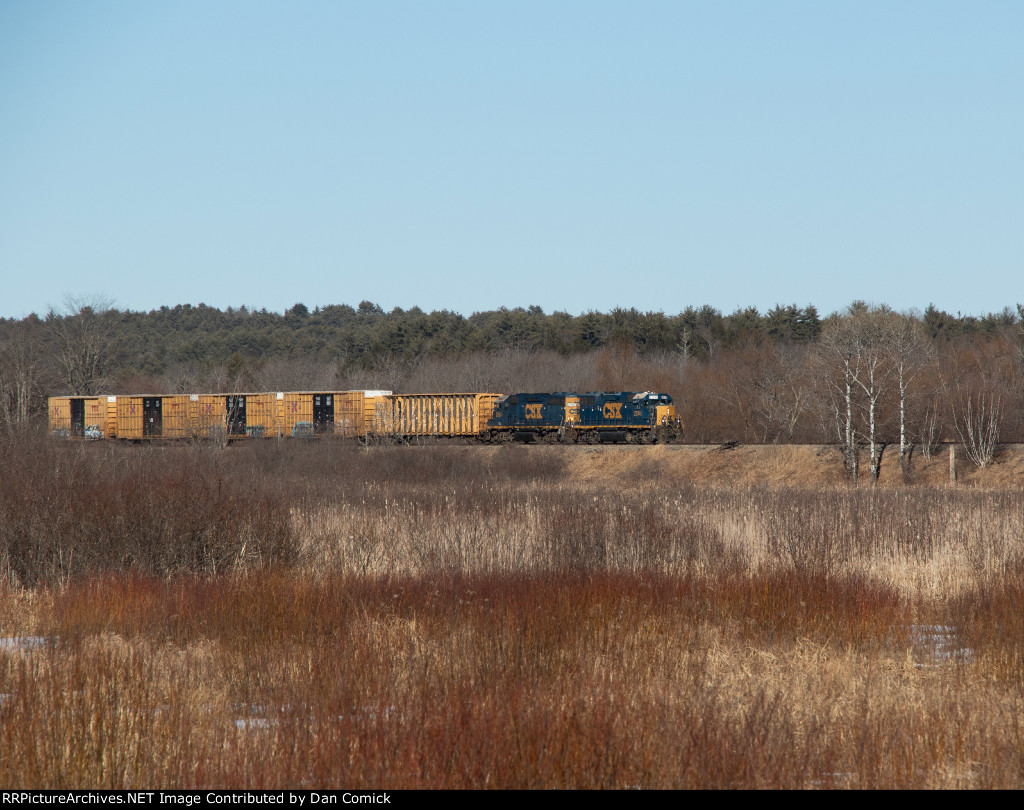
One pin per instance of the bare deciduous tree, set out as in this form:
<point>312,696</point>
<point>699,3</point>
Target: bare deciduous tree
<point>296,374</point>
<point>83,341</point>
<point>1020,332</point>
<point>860,346</point>
<point>782,391</point>
<point>21,373</point>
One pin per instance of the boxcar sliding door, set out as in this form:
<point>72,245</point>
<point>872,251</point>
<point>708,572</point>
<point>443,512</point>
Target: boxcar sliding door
<point>152,416</point>
<point>323,413</point>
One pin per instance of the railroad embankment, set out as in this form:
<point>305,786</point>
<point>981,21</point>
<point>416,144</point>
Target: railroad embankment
<point>788,466</point>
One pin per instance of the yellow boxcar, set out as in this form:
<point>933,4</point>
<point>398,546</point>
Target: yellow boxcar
<point>350,414</point>
<point>173,416</point>
<point>313,413</point>
<point>206,415</point>
<point>411,415</point>
<point>140,416</point>
<point>192,416</point>
<point>296,410</point>
<point>371,401</point>
<point>80,417</point>
<point>59,411</point>
<point>262,418</point>
<point>176,420</point>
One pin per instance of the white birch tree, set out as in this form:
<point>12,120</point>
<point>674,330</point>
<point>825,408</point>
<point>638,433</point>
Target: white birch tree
<point>839,347</point>
<point>871,336</point>
<point>856,351</point>
<point>911,352</point>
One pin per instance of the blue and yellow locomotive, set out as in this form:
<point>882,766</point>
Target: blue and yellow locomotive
<point>641,417</point>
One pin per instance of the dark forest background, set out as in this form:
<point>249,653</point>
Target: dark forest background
<point>867,375</point>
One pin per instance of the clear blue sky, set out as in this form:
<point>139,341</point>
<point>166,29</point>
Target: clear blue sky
<point>472,155</point>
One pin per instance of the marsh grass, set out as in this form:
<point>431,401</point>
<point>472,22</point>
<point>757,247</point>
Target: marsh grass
<point>282,615</point>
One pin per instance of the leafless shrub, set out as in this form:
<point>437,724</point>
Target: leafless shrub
<point>70,510</point>
<point>928,435</point>
<point>977,424</point>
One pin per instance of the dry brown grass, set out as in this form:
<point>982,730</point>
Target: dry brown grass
<point>503,617</point>
<point>930,544</point>
<point>711,465</point>
<point>800,466</point>
<point>543,681</point>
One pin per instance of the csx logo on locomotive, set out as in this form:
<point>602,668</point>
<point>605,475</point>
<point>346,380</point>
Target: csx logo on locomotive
<point>533,410</point>
<point>612,410</point>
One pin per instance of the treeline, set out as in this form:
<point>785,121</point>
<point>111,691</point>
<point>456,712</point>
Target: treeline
<point>867,376</point>
<point>153,343</point>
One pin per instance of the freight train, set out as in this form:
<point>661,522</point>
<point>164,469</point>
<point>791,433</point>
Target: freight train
<point>566,417</point>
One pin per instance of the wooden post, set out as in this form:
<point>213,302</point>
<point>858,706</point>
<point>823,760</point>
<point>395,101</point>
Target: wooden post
<point>952,464</point>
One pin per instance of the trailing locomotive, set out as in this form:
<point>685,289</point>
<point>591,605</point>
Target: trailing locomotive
<point>596,416</point>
